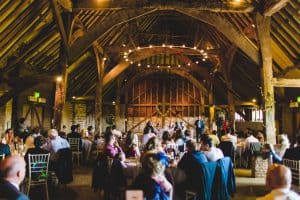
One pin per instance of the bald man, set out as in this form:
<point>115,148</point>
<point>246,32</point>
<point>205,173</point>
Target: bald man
<point>279,179</point>
<point>12,173</point>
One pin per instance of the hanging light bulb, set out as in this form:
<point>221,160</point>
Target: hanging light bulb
<point>183,45</point>
<point>131,62</point>
<point>148,66</point>
<point>195,47</point>
<point>197,62</point>
<point>163,45</point>
<point>201,51</point>
<point>179,66</point>
<point>126,59</point>
<point>150,46</point>
<point>139,64</point>
<point>158,66</point>
<point>129,50</point>
<point>169,66</point>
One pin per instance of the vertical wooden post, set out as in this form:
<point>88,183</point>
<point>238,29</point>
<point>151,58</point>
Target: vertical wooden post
<point>118,104</point>
<point>60,92</point>
<point>211,103</point>
<point>14,112</point>
<point>99,90</point>
<point>263,30</point>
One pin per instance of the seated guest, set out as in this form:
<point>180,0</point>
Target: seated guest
<point>180,140</point>
<point>131,145</point>
<point>4,149</point>
<point>149,126</point>
<point>12,174</point>
<point>152,180</point>
<point>212,153</point>
<point>214,137</point>
<point>75,134</point>
<point>116,132</point>
<point>36,132</point>
<point>117,175</point>
<point>267,151</point>
<point>228,137</point>
<point>147,135</point>
<point>188,135</point>
<point>279,179</point>
<point>260,136</point>
<point>55,143</point>
<point>249,139</point>
<point>90,130</point>
<point>9,136</point>
<point>38,143</point>
<point>112,147</point>
<point>294,152</point>
<point>29,143</point>
<point>153,145</point>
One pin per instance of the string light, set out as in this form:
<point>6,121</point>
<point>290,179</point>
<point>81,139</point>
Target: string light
<point>197,62</point>
<point>131,62</point>
<point>158,66</point>
<point>163,45</point>
<point>150,46</point>
<point>129,50</point>
<point>179,66</point>
<point>148,66</point>
<point>169,66</point>
<point>189,64</point>
<point>126,59</point>
<point>183,45</point>
<point>194,47</point>
<point>139,64</point>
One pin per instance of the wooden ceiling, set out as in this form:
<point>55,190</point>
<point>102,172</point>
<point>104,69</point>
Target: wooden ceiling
<point>36,36</point>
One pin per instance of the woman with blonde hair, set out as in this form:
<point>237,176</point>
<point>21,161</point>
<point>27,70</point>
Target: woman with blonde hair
<point>284,144</point>
<point>152,180</point>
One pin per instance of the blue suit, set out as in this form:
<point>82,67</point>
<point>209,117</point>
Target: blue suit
<point>4,149</point>
<point>10,192</point>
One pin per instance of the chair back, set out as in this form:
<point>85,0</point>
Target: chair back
<point>38,167</point>
<point>2,157</point>
<point>255,148</point>
<point>228,149</point>
<point>74,144</point>
<point>294,165</point>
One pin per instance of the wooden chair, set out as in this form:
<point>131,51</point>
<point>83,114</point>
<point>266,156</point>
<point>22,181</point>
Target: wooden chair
<point>294,165</point>
<point>38,171</point>
<point>75,148</point>
<point>2,157</point>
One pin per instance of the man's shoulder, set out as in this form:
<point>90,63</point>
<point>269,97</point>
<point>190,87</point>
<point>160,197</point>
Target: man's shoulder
<point>10,192</point>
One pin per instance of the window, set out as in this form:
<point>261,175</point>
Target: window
<point>238,117</point>
<point>257,115</point>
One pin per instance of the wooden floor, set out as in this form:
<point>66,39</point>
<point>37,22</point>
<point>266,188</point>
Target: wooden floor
<point>247,188</point>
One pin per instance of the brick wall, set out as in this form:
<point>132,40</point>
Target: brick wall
<point>259,167</point>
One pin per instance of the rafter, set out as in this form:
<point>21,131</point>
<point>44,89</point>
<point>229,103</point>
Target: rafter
<point>138,4</point>
<point>286,82</point>
<point>225,27</point>
<point>118,18</point>
<point>141,55</point>
<point>274,6</point>
<point>60,24</point>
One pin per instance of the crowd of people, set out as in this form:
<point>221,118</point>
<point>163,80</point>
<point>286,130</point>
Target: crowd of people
<point>156,149</point>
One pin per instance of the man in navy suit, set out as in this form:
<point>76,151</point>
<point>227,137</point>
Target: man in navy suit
<point>294,152</point>
<point>12,173</point>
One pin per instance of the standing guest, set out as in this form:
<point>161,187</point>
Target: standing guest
<point>12,174</point>
<point>36,132</point>
<point>153,145</point>
<point>90,130</point>
<point>112,147</point>
<point>279,179</point>
<point>180,140</point>
<point>147,135</point>
<point>188,135</point>
<point>116,132</point>
<point>29,143</point>
<point>228,137</point>
<point>152,180</point>
<point>21,128</point>
<point>250,139</point>
<point>212,153</point>
<point>63,132</point>
<point>132,145</point>
<point>214,137</point>
<point>294,152</point>
<point>199,125</point>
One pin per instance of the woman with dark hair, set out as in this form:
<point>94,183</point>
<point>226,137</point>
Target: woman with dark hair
<point>112,147</point>
<point>152,180</point>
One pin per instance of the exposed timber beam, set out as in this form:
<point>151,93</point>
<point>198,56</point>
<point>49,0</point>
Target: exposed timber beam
<point>60,23</point>
<point>263,25</point>
<point>286,82</point>
<point>187,51</point>
<point>139,55</point>
<point>288,69</point>
<point>179,72</point>
<point>118,18</point>
<point>226,28</point>
<point>137,4</point>
<point>274,6</point>
<point>77,63</point>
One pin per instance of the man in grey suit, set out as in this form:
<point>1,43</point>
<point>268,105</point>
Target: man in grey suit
<point>12,173</point>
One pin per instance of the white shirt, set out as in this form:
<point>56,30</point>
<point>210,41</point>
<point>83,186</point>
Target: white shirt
<point>15,185</point>
<point>280,194</point>
<point>56,144</point>
<point>146,137</point>
<point>116,133</point>
<point>229,138</point>
<point>249,140</point>
<point>214,154</point>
